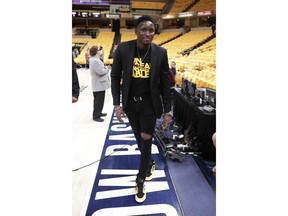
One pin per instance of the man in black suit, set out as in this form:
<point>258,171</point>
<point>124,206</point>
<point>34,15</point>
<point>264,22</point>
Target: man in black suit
<point>75,83</point>
<point>140,73</point>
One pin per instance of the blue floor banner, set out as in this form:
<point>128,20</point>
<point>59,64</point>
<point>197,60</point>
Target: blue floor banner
<point>113,191</point>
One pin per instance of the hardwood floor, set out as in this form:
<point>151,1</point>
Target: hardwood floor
<point>88,138</point>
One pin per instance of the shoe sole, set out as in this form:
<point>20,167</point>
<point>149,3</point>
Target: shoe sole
<point>149,178</point>
<point>97,120</point>
<point>140,199</point>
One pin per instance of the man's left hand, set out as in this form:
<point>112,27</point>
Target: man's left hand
<point>166,120</point>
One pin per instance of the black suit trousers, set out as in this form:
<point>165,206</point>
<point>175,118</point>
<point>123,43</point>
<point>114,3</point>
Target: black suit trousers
<point>99,98</point>
<point>142,120</point>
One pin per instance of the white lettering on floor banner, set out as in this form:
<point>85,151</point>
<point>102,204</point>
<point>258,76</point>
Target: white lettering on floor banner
<point>115,120</point>
<point>121,127</point>
<point>125,149</point>
<point>166,209</point>
<point>120,182</point>
<point>122,137</point>
<point>128,181</point>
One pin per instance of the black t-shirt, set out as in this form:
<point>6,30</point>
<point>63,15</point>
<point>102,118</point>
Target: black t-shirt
<point>140,85</point>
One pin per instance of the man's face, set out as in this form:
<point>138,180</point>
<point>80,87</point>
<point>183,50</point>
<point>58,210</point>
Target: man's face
<point>145,32</point>
<point>173,65</point>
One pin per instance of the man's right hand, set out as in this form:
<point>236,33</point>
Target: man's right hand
<point>74,99</point>
<point>119,114</point>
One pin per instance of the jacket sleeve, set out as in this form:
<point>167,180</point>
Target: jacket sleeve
<point>165,83</point>
<point>116,75</point>
<point>99,68</point>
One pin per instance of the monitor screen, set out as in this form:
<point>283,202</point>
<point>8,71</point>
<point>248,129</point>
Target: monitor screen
<point>184,87</point>
<point>211,94</point>
<point>191,88</point>
<point>201,93</point>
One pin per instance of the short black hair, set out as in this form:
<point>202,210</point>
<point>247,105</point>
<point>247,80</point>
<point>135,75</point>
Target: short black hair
<point>144,18</point>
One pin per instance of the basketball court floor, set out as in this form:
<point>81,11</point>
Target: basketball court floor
<point>104,166</point>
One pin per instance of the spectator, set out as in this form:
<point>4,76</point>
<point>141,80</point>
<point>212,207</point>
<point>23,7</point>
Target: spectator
<point>101,53</point>
<point>100,82</point>
<point>173,67</point>
<point>213,28</point>
<point>87,56</point>
<point>75,83</point>
<point>75,53</point>
<point>172,73</point>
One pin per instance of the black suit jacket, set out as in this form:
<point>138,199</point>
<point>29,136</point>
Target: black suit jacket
<point>75,81</point>
<point>159,76</point>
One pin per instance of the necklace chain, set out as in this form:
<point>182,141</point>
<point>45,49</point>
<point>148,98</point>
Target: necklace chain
<point>144,55</point>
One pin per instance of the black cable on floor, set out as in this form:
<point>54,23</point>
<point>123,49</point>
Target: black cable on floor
<point>100,158</point>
